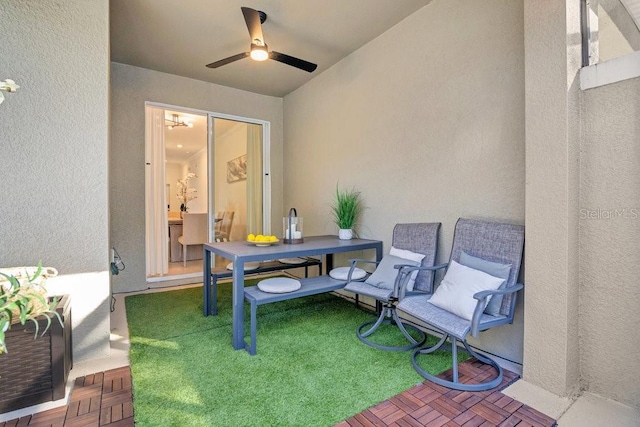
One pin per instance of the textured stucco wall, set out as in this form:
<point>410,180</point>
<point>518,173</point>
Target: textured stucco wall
<point>610,241</point>
<point>53,147</point>
<point>130,88</point>
<point>552,60</point>
<point>427,121</point>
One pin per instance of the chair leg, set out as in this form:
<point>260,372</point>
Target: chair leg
<point>184,255</point>
<point>389,315</point>
<point>456,384</point>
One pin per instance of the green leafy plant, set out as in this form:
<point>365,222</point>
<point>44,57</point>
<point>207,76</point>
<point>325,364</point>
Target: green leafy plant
<point>23,298</point>
<point>346,207</point>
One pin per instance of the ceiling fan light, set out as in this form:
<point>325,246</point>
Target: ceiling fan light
<point>259,53</point>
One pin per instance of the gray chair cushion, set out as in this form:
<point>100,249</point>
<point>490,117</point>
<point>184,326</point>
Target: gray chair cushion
<point>421,238</point>
<point>385,275</point>
<point>493,268</point>
<point>443,320</point>
<point>362,288</point>
<point>492,241</point>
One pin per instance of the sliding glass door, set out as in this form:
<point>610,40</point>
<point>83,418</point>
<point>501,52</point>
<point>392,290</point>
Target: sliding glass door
<point>201,164</point>
<point>238,178</point>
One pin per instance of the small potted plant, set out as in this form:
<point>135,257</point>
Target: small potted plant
<point>346,210</point>
<point>35,339</point>
<point>23,299</point>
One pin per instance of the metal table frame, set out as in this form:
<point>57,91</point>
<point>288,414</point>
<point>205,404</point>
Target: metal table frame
<point>241,252</point>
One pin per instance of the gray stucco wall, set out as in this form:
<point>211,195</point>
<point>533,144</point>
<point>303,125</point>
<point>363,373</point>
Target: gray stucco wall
<point>610,241</point>
<point>552,62</point>
<point>131,87</point>
<point>427,121</point>
<point>53,148</point>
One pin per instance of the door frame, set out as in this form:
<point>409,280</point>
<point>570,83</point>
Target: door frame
<point>266,172</point>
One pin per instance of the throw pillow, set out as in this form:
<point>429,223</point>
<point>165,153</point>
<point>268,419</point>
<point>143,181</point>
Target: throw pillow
<point>412,256</point>
<point>493,268</point>
<point>459,285</point>
<point>385,275</point>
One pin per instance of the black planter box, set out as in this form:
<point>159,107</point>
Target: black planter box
<point>35,370</point>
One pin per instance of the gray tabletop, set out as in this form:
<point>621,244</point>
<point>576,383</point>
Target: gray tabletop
<point>241,252</point>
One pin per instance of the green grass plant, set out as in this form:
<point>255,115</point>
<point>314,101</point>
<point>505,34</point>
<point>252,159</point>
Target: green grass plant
<point>346,208</point>
<point>310,370</point>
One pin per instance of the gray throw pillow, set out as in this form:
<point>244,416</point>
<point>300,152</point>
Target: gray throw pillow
<point>493,268</point>
<point>385,275</point>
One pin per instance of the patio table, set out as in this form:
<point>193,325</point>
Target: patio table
<point>240,252</point>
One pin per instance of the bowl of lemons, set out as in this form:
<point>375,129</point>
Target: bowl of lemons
<point>261,240</point>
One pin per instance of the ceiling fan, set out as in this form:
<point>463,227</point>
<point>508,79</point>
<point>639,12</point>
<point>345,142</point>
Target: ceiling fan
<point>259,51</point>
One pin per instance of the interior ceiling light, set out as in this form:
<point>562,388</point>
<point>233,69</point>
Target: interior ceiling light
<point>176,121</point>
<point>259,53</point>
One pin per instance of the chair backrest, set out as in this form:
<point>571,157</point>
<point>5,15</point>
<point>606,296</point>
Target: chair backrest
<point>194,228</point>
<point>219,216</point>
<point>495,242</point>
<point>227,221</point>
<point>421,238</point>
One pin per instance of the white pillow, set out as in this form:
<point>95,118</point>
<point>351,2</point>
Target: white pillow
<point>459,285</point>
<point>403,253</point>
<point>412,256</point>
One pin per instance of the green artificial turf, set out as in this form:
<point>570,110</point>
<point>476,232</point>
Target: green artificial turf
<point>310,370</point>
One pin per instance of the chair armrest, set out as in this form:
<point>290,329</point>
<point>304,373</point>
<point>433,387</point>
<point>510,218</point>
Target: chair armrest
<point>400,286</point>
<point>402,279</point>
<point>354,262</point>
<point>400,291</point>
<point>480,305</point>
<point>506,291</point>
<point>429,268</point>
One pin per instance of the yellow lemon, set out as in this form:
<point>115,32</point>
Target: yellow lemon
<point>251,237</point>
<point>259,238</point>
<point>273,239</point>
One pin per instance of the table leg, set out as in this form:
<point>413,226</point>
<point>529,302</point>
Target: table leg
<point>238,304</point>
<point>379,252</point>
<point>329,263</point>
<point>254,316</point>
<point>206,282</point>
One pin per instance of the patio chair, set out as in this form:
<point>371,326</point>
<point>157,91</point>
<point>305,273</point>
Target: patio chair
<point>225,227</point>
<point>478,292</point>
<point>412,245</point>
<point>194,232</point>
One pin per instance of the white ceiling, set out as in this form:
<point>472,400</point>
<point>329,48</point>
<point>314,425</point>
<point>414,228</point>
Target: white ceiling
<point>182,142</point>
<point>181,37</point>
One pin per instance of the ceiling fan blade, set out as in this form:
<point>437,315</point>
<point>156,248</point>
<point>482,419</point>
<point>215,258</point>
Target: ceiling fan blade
<point>294,62</point>
<point>252,18</point>
<point>228,60</point>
